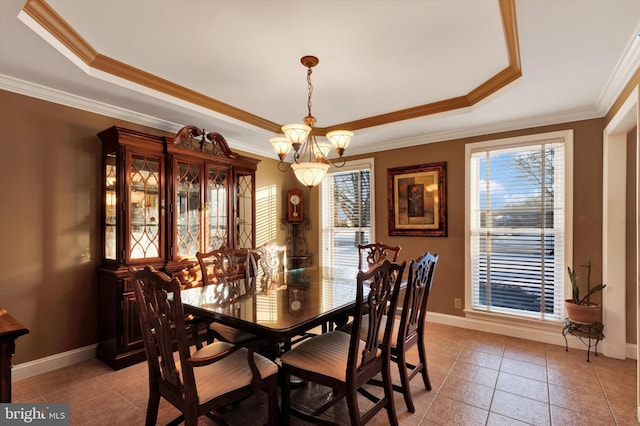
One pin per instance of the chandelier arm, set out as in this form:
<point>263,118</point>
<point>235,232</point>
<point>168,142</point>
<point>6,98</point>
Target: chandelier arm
<point>287,166</point>
<point>339,164</point>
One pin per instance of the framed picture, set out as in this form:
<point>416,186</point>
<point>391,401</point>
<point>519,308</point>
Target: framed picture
<point>417,200</point>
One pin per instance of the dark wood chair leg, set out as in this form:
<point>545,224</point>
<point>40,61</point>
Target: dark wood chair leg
<point>354,411</point>
<point>404,381</point>
<point>152,407</point>
<point>388,394</point>
<point>422,353</point>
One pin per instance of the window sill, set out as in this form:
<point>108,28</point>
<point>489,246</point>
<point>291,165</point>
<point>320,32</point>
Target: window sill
<point>508,320</point>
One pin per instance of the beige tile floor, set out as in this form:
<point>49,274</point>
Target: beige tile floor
<point>478,379</point>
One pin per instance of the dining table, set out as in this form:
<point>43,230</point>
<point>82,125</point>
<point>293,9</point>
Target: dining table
<point>278,310</point>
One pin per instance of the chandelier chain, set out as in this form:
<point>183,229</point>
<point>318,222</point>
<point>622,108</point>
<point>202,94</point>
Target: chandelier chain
<point>310,88</point>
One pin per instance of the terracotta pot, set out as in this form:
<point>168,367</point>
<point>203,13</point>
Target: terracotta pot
<point>585,314</point>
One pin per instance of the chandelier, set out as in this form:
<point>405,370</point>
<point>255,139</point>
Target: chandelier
<point>310,157</point>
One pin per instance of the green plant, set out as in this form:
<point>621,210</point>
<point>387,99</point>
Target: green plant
<point>573,276</point>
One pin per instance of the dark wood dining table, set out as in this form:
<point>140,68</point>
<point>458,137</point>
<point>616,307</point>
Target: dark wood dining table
<point>297,302</point>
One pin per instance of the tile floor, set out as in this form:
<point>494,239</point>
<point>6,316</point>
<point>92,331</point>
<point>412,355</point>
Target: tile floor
<point>478,379</point>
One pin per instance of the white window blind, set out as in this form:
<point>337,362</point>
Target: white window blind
<point>517,228</point>
<point>346,200</point>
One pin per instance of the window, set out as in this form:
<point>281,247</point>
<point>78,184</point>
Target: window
<point>346,199</point>
<point>518,221</point>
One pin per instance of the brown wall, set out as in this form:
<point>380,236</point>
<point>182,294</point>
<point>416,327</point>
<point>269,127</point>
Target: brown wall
<point>449,283</point>
<point>49,163</point>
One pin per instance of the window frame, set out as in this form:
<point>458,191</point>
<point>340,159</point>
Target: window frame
<point>566,136</point>
<point>358,164</point>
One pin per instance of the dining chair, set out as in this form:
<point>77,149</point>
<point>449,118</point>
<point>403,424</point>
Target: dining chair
<point>272,261</point>
<point>229,269</point>
<point>371,254</point>
<point>346,362</point>
<point>409,331</point>
<point>201,382</point>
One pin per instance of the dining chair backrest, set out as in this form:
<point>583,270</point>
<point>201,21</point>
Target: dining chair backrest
<point>229,271</point>
<point>225,265</point>
<point>159,304</point>
<point>414,306</point>
<point>375,253</point>
<point>272,261</point>
<point>410,330</point>
<point>383,281</point>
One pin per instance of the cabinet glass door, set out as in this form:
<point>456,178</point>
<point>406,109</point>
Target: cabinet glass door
<point>217,197</point>
<point>188,206</point>
<point>144,207</point>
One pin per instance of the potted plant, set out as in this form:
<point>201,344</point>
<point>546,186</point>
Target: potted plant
<point>580,309</point>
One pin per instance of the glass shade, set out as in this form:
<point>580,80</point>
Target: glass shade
<point>310,173</point>
<point>296,133</point>
<point>321,150</point>
<point>281,146</point>
<point>340,139</point>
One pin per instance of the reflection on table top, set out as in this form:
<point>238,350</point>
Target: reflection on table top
<point>301,300</point>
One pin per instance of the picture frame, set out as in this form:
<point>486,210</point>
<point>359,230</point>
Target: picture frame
<point>417,200</point>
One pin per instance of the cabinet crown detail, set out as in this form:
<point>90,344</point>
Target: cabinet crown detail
<point>212,143</point>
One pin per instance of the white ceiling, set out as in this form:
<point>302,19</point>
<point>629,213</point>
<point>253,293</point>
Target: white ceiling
<point>376,57</point>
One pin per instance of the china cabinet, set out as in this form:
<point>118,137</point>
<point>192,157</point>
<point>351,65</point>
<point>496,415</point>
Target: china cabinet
<point>163,200</point>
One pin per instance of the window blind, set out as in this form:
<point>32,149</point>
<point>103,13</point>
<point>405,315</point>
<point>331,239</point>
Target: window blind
<point>517,229</point>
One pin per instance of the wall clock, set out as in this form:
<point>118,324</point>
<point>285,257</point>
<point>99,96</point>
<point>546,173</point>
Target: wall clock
<point>295,210</point>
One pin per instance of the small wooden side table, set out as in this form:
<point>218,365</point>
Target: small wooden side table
<point>592,332</point>
<point>10,330</point>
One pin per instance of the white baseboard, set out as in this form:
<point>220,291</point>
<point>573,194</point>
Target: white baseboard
<point>537,335</point>
<point>53,362</point>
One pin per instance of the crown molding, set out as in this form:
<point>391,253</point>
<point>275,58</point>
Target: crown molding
<point>626,67</point>
<point>45,93</point>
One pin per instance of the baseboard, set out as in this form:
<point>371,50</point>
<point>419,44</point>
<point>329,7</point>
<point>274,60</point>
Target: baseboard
<point>537,335</point>
<point>53,362</point>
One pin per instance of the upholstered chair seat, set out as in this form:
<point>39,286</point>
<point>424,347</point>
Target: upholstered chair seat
<point>324,354</point>
<point>228,374</point>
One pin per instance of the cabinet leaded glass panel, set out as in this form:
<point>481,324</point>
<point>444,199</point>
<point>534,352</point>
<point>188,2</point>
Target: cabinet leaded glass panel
<point>244,211</point>
<point>188,209</point>
<point>217,204</point>
<point>144,211</point>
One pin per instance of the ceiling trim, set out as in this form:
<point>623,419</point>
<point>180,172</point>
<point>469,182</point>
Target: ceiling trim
<point>512,72</point>
<point>49,20</point>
